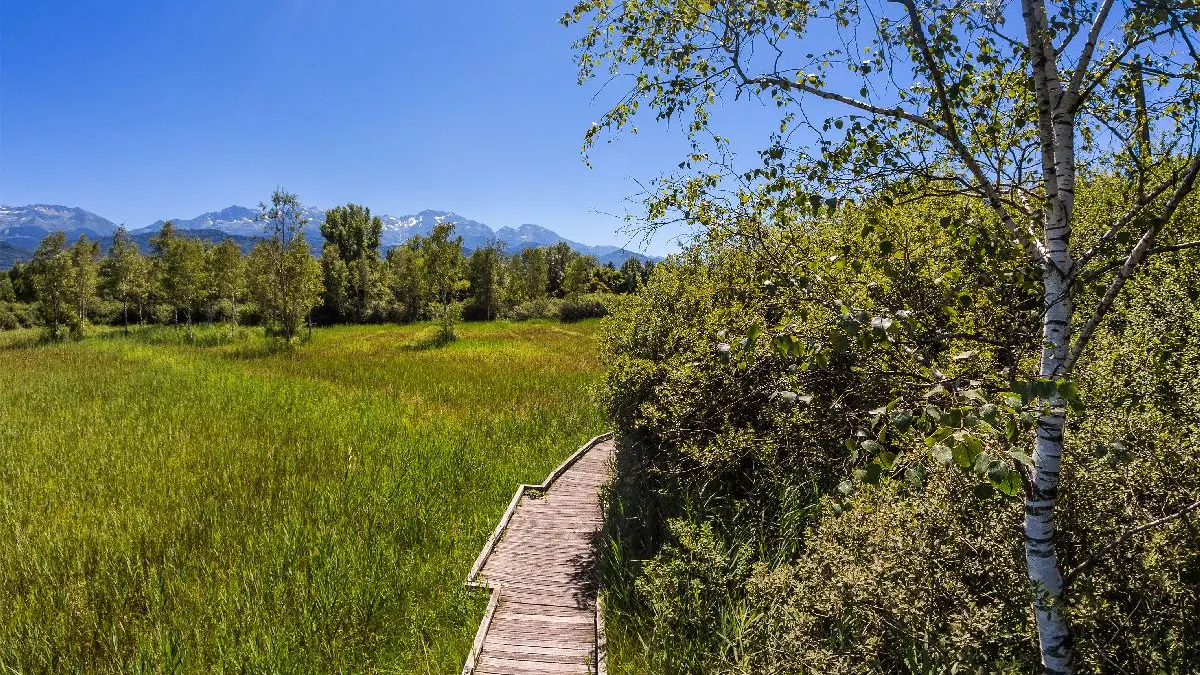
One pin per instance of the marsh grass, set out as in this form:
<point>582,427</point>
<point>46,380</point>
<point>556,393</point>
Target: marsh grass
<point>227,506</point>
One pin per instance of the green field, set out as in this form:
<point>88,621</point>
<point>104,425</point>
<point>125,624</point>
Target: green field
<point>175,508</point>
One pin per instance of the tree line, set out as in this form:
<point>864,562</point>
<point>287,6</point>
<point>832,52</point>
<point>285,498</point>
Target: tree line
<point>281,285</point>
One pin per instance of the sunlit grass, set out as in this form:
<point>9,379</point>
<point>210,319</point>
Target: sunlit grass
<point>239,508</point>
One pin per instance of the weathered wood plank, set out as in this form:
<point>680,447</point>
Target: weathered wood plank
<point>540,563</point>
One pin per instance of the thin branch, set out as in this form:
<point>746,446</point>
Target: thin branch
<point>951,134</point>
<point>1154,251</point>
<point>1089,47</point>
<point>1181,513</point>
<point>1132,261</point>
<point>1125,219</point>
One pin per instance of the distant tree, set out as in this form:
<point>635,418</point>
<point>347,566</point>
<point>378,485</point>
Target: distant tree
<point>579,275</point>
<point>443,262</point>
<point>607,279</point>
<point>227,277</point>
<point>405,279</point>
<point>85,274</point>
<point>484,269</point>
<point>535,272</point>
<point>123,273</point>
<point>558,257</point>
<point>184,276</point>
<point>631,269</point>
<point>7,294</point>
<point>285,276</point>
<point>51,274</point>
<point>355,234</point>
<point>159,245</point>
<point>22,282</point>
<point>337,283</point>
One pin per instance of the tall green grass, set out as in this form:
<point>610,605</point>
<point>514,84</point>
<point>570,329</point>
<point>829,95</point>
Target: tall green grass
<point>168,507</point>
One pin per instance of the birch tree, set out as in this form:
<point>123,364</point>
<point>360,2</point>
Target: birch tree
<point>285,277</point>
<point>227,277</point>
<point>123,273</point>
<point>52,275</point>
<point>1011,103</point>
<point>85,264</point>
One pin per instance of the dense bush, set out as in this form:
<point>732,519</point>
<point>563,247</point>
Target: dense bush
<point>588,306</point>
<point>738,539</point>
<point>542,308</point>
<point>17,315</point>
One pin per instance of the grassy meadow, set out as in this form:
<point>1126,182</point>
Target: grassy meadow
<point>174,507</point>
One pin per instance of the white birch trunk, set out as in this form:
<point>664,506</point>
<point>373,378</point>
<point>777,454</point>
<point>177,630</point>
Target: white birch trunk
<point>1056,126</point>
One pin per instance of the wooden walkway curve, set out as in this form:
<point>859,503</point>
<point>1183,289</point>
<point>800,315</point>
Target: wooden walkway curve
<point>543,616</point>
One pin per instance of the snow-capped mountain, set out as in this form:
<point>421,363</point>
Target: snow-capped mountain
<point>24,227</point>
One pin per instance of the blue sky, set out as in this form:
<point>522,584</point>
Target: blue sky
<point>167,109</point>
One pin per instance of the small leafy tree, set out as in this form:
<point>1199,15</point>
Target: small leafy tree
<point>406,274</point>
<point>443,262</point>
<point>52,275</point>
<point>285,276</point>
<point>558,258</point>
<point>578,276</point>
<point>184,276</point>
<point>227,277</point>
<point>123,273</point>
<point>484,269</point>
<point>337,282</point>
<point>85,255</point>
<point>534,272</point>
<point>355,235</point>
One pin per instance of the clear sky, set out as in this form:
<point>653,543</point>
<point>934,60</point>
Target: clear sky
<point>141,110</point>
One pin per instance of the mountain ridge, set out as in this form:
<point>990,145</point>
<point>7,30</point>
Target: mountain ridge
<point>22,229</point>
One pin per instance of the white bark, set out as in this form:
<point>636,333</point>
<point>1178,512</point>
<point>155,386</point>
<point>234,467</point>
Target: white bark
<point>1056,126</point>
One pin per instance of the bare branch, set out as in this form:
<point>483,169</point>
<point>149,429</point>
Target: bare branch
<point>1089,47</point>
<point>1132,261</point>
<point>1095,557</point>
<point>1127,218</point>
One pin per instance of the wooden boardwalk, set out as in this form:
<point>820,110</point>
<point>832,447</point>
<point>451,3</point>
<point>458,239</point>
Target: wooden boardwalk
<point>539,565</point>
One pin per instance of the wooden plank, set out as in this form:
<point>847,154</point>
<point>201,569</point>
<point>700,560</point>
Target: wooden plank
<point>531,667</point>
<point>540,558</point>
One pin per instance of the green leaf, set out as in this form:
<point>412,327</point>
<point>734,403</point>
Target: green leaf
<point>983,491</point>
<point>887,460</point>
<point>902,420</point>
<point>915,476</point>
<point>998,471</point>
<point>1020,458</point>
<point>846,488</point>
<point>753,333</point>
<point>982,462</point>
<point>1010,485</point>
<point>943,454</point>
<point>967,451</point>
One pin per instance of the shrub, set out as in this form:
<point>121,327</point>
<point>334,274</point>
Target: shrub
<point>587,306</point>
<point>542,308</point>
<point>730,499</point>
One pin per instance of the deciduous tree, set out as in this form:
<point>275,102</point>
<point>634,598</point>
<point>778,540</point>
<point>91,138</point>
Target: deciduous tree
<point>1006,102</point>
<point>52,275</point>
<point>286,277</point>
<point>227,277</point>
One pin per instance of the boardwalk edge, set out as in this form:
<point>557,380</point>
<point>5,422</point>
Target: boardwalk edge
<point>494,539</point>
